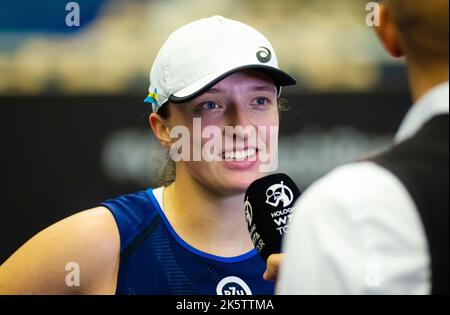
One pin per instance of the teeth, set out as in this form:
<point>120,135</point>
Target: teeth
<point>239,155</point>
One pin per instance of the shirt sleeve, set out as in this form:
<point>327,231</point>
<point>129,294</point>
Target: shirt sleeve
<point>356,231</point>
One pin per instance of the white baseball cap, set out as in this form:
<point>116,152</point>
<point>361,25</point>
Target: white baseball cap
<point>200,54</point>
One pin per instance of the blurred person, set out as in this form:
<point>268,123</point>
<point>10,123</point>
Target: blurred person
<point>380,226</point>
<point>188,236</point>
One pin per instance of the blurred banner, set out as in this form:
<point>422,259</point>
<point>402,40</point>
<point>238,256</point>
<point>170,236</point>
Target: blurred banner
<point>75,129</point>
<point>326,44</point>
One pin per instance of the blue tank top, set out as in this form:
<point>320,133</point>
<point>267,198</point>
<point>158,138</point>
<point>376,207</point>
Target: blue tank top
<point>155,260</point>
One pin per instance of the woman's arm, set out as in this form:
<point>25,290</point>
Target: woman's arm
<point>88,241</point>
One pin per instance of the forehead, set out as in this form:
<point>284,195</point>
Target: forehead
<point>248,81</point>
<point>245,80</point>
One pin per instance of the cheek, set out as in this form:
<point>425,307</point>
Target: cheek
<point>275,119</point>
<point>212,135</point>
<point>270,126</point>
<point>269,116</point>
<point>202,172</point>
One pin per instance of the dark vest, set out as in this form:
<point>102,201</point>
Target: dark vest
<point>421,164</point>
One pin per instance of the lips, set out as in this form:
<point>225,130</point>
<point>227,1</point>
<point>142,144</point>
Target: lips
<point>240,155</point>
<point>240,160</point>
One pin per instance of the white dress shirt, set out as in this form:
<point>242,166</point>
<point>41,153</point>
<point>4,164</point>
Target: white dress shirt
<point>358,231</point>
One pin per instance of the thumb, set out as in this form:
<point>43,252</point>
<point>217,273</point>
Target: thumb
<point>273,265</point>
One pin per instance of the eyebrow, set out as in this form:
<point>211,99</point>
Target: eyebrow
<point>255,88</point>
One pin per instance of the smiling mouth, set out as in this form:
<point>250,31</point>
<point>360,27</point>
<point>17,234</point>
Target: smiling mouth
<point>239,155</point>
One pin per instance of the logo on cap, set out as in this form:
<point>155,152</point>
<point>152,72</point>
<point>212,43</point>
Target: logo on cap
<point>264,55</point>
<point>279,193</point>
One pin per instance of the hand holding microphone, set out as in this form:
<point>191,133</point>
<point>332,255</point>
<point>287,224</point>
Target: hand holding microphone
<point>269,205</point>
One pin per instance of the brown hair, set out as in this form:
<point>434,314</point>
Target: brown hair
<point>423,27</point>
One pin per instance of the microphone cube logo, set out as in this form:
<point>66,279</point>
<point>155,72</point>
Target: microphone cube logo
<point>279,193</point>
<point>276,194</point>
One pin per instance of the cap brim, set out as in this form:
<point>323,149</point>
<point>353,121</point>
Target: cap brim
<point>197,88</point>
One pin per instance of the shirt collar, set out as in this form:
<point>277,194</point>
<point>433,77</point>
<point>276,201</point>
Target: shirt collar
<point>433,103</point>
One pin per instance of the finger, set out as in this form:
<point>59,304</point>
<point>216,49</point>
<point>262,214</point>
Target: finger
<point>272,268</point>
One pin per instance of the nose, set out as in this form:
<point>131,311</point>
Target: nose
<point>241,121</point>
<point>238,116</point>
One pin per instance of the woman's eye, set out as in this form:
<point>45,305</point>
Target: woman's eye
<point>261,101</point>
<point>210,106</point>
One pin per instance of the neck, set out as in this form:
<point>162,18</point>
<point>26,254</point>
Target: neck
<point>206,220</point>
<point>423,78</point>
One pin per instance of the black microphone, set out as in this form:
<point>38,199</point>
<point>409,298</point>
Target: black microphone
<point>269,205</point>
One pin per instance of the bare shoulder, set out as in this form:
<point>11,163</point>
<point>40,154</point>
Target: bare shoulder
<point>85,244</point>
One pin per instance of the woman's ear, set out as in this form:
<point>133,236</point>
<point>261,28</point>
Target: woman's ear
<point>388,33</point>
<point>160,129</point>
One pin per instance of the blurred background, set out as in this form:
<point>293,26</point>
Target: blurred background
<point>74,128</point>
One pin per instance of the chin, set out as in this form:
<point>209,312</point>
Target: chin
<point>239,183</point>
<point>228,181</point>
